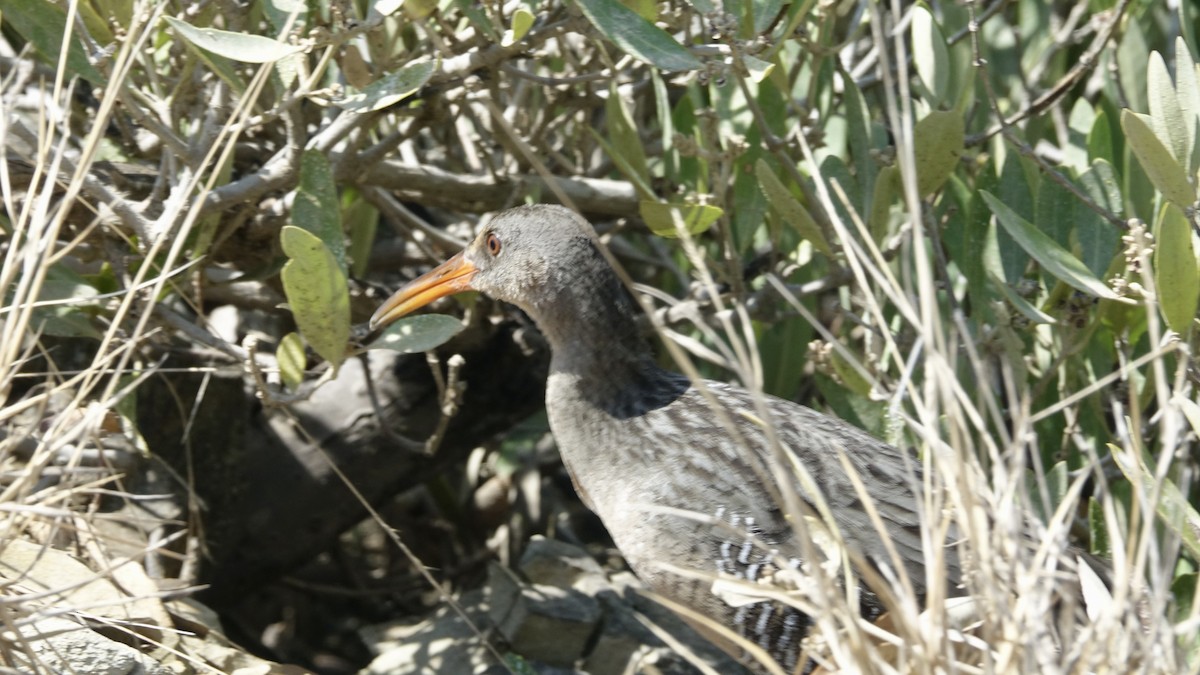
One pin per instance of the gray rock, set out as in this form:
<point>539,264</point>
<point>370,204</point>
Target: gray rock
<point>65,646</point>
<point>548,624</point>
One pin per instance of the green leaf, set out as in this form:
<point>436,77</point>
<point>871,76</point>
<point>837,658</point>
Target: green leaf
<point>362,220</point>
<point>790,210</point>
<point>67,319</point>
<point>1133,55</point>
<point>316,208</point>
<point>279,11</point>
<point>624,136</point>
<point>1100,140</point>
<point>1175,273</point>
<point>386,7</point>
<point>660,217</point>
<point>1187,86</point>
<point>1191,410</point>
<point>1053,258</point>
<point>937,145</point>
<point>1019,303</point>
<point>758,69</point>
<point>662,106</point>
<point>1057,483</point>
<point>44,24</point>
<point>929,54</point>
<point>317,293</point>
<point>765,12</point>
<point>639,38</point>
<point>887,186</point>
<point>521,22</point>
<point>1098,238</point>
<point>1172,507</point>
<point>419,333</point>
<point>237,46</point>
<point>641,186</point>
<point>1161,168</point>
<point>1079,125</point>
<point>389,89</point>
<point>860,137</point>
<point>292,360</point>
<point>1165,114</point>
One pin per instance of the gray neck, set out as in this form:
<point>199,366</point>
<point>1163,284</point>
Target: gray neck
<point>592,328</point>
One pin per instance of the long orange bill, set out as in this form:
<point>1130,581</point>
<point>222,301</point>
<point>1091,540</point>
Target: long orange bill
<point>452,276</point>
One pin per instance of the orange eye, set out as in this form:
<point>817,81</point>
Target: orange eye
<point>493,244</point>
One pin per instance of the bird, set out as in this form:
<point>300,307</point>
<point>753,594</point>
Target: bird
<point>682,473</point>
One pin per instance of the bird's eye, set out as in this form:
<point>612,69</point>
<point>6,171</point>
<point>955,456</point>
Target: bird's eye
<point>493,244</point>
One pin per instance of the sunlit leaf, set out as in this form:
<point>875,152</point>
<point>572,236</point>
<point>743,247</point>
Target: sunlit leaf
<point>521,22</point>
<point>292,360</point>
<point>237,46</point>
<point>362,220</point>
<point>1057,483</point>
<point>937,145</point>
<point>1167,175</point>
<point>661,218</point>
<point>390,89</point>
<point>316,207</point>
<point>1172,507</point>
<point>1100,140</point>
<point>1053,258</point>
<point>1166,117</point>
<point>44,24</point>
<point>765,12</point>
<point>1175,273</point>
<point>66,319</point>
<point>279,12</point>
<point>1191,410</point>
<point>1019,303</point>
<point>623,134</point>
<point>887,185</point>
<point>1098,238</point>
<point>930,57</point>
<point>317,293</point>
<point>759,70</point>
<point>639,38</point>
<point>1187,86</point>
<point>792,211</point>
<point>386,7</point>
<point>419,333</point>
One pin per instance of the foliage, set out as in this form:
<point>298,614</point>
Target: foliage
<point>967,227</point>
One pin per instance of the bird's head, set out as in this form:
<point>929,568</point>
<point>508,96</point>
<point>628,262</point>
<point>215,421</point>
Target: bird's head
<point>529,256</point>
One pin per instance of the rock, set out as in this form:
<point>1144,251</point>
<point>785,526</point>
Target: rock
<point>547,623</point>
<point>566,617</point>
<point>557,563</point>
<point>62,645</point>
<point>443,643</point>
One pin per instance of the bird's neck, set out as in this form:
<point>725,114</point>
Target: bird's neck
<point>599,350</point>
<point>596,332</point>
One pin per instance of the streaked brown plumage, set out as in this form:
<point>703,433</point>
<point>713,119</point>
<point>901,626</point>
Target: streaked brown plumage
<point>634,435</point>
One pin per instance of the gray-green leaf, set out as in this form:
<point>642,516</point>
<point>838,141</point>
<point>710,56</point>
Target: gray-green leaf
<point>317,293</point>
<point>316,208</point>
<point>389,89</point>
<point>639,38</point>
<point>929,54</point>
<point>1048,253</point>
<point>419,333</point>
<point>1175,272</point>
<point>237,46</point>
<point>937,144</point>
<point>1161,168</point>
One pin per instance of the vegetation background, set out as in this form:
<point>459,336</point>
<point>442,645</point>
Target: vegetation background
<point>968,227</point>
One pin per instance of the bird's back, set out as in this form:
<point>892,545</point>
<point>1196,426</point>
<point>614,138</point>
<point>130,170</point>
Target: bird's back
<point>642,459</point>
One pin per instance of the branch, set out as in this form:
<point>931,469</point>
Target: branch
<point>435,187</point>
